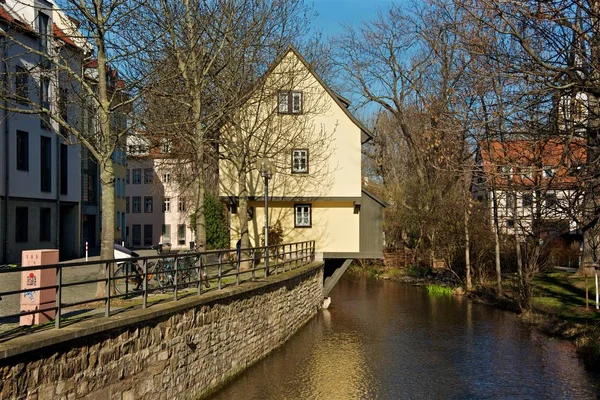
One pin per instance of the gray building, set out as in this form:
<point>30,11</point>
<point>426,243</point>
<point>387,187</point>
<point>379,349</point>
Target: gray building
<point>40,172</point>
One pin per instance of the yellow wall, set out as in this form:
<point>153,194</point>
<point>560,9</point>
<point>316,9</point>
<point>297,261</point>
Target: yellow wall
<point>333,140</point>
<point>335,227</point>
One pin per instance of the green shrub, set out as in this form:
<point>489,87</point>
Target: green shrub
<point>217,230</point>
<point>418,271</point>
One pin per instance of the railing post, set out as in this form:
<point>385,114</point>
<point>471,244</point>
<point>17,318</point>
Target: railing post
<point>253,263</point>
<point>176,266</point>
<point>276,259</point>
<point>199,272</point>
<point>58,296</point>
<point>220,268</point>
<point>296,257</point>
<point>107,291</point>
<point>312,258</point>
<point>266,261</point>
<point>237,274</point>
<point>145,283</point>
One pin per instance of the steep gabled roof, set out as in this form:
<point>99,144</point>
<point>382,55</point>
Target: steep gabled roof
<point>342,102</point>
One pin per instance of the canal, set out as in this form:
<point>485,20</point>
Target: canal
<point>389,340</point>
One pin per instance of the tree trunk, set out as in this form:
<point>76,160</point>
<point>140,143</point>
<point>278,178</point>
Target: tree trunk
<point>496,241</point>
<point>108,221</point>
<point>469,284</point>
<point>243,218</point>
<point>200,236</point>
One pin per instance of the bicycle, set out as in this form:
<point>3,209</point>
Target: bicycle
<point>129,277</point>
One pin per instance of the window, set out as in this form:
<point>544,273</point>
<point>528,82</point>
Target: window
<point>250,213</point>
<point>137,204</point>
<point>300,161</point>
<point>166,233</point>
<point>22,151</point>
<point>302,215</point>
<point>21,224</point>
<point>45,224</point>
<point>118,221</point>
<point>137,235</point>
<point>181,234</point>
<point>118,187</point>
<point>527,200</point>
<point>43,22</point>
<point>167,204</point>
<point>290,102</point>
<point>506,171</point>
<point>548,172</point>
<point>148,204</point>
<point>45,164</point>
<point>22,85</point>
<point>147,235</point>
<point>127,176</point>
<point>550,199</point>
<point>166,177</point>
<point>510,201</point>
<point>165,146</point>
<point>147,175</point>
<point>137,176</point>
<point>64,169</point>
<point>45,103</point>
<point>181,205</point>
<point>127,205</point>
<point>510,223</point>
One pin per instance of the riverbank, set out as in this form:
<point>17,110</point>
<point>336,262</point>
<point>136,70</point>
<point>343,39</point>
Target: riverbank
<point>558,306</point>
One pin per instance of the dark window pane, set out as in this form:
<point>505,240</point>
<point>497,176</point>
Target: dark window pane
<point>64,169</point>
<point>45,224</point>
<point>22,151</point>
<point>21,224</point>
<point>45,163</point>
<point>147,234</point>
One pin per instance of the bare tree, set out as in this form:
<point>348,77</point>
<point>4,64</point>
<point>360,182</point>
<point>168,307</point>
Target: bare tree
<point>211,54</point>
<point>78,57</point>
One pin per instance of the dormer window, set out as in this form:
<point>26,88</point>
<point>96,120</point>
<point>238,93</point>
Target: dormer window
<point>300,161</point>
<point>290,103</point>
<point>548,172</point>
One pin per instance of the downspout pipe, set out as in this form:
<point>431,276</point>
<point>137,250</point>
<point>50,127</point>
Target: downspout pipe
<point>6,163</point>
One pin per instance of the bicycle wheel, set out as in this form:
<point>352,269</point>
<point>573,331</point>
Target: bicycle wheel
<point>162,274</point>
<point>123,281</point>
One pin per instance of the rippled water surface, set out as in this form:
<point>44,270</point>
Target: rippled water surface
<point>388,340</point>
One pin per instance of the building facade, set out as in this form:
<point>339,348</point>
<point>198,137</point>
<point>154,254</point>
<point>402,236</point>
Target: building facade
<point>40,187</point>
<point>294,120</point>
<point>158,209</point>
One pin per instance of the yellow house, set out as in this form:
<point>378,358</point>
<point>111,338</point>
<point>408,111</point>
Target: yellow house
<point>293,119</point>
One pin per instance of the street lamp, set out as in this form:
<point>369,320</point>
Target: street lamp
<point>267,169</point>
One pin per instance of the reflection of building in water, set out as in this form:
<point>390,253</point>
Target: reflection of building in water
<point>338,367</point>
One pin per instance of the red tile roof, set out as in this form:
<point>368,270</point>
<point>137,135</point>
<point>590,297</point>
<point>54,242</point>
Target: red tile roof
<point>522,162</point>
<point>59,34</point>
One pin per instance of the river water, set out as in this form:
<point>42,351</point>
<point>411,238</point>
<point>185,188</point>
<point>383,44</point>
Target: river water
<point>389,340</point>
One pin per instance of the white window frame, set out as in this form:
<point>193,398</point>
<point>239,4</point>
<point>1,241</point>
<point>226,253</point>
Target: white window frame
<point>290,102</point>
<point>167,204</point>
<point>299,154</point>
<point>303,215</point>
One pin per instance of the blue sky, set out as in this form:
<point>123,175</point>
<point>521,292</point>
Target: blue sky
<point>333,13</point>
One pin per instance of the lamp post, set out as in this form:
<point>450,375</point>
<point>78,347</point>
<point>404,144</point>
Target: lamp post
<point>266,171</point>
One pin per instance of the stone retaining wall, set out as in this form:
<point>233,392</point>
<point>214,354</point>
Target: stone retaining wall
<point>178,350</point>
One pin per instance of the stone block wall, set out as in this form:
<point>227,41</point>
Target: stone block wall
<point>183,355</point>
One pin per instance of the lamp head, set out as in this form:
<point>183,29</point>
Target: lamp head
<point>266,168</point>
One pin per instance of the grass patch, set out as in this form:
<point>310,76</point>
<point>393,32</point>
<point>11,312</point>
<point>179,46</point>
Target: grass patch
<point>439,290</point>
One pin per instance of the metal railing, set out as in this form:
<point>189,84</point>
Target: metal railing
<point>140,277</point>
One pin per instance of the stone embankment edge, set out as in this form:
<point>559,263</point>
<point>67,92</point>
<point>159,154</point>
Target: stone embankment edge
<point>78,330</point>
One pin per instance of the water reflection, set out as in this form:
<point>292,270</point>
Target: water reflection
<point>385,340</point>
